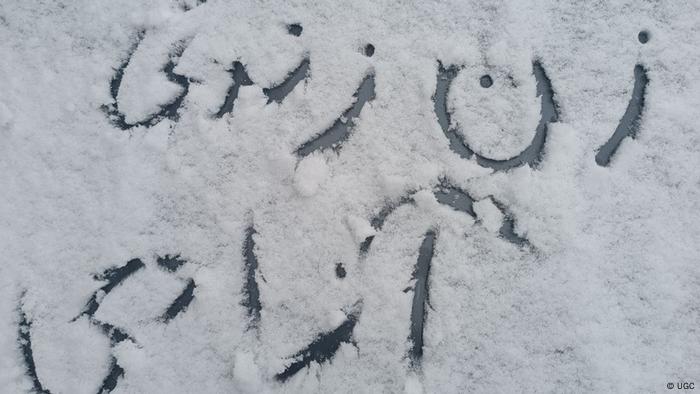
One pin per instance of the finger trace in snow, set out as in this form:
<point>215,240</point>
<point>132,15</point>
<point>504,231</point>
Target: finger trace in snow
<point>507,230</point>
<point>486,81</point>
<point>643,36</point>
<point>181,302</point>
<point>170,263</point>
<point>459,200</point>
<point>340,272</point>
<point>444,80</point>
<point>279,92</point>
<point>110,381</point>
<point>295,29</point>
<point>631,120</point>
<point>455,197</point>
<point>378,220</point>
<point>335,135</point>
<point>186,6</point>
<point>116,81</point>
<point>115,334</point>
<point>240,78</point>
<point>168,110</point>
<point>324,347</point>
<point>532,155</point>
<point>113,276</point>
<point>25,342</point>
<point>251,292</point>
<point>421,296</point>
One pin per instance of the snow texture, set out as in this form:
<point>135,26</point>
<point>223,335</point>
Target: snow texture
<point>489,214</point>
<point>296,267</point>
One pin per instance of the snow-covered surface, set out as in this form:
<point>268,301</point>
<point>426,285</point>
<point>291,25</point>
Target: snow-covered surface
<point>603,299</point>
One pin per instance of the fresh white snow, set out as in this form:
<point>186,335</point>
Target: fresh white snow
<point>602,298</point>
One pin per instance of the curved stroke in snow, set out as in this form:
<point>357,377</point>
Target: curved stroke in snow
<point>168,110</point>
<point>457,199</point>
<point>181,302</point>
<point>532,155</point>
<point>25,342</point>
<point>240,78</point>
<point>251,291</point>
<point>325,345</point>
<point>276,93</point>
<point>334,136</point>
<point>629,124</point>
<point>421,296</point>
<point>279,92</point>
<point>114,277</point>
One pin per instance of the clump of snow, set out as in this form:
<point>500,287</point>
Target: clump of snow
<point>394,185</point>
<point>246,373</point>
<point>5,115</point>
<point>336,318</point>
<point>489,215</point>
<point>310,174</point>
<point>360,228</point>
<point>425,200</point>
<point>413,385</point>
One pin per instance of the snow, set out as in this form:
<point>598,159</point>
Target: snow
<point>310,174</point>
<point>144,87</point>
<point>81,356</point>
<point>146,296</point>
<point>489,214</point>
<point>246,373</point>
<point>498,122</point>
<point>360,228</point>
<point>603,298</point>
<point>413,385</point>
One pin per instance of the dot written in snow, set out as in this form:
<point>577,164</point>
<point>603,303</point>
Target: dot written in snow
<point>486,81</point>
<point>643,36</point>
<point>295,29</point>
